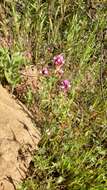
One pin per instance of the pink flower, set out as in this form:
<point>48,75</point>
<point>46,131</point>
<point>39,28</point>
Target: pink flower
<point>44,71</point>
<point>65,85</point>
<point>49,49</point>
<point>58,60</point>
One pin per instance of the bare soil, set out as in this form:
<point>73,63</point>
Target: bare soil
<point>18,140</point>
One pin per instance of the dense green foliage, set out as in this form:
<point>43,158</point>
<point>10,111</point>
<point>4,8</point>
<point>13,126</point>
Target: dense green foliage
<point>73,150</point>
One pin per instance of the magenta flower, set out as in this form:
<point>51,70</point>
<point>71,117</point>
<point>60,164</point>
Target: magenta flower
<point>44,71</point>
<point>58,60</point>
<point>65,85</point>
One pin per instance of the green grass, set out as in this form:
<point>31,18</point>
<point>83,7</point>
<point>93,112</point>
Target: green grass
<point>73,150</point>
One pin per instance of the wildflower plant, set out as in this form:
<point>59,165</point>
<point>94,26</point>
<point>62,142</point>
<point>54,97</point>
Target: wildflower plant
<point>66,42</point>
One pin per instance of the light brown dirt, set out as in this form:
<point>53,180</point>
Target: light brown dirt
<point>18,140</point>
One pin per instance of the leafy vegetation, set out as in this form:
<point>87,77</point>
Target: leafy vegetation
<point>53,57</point>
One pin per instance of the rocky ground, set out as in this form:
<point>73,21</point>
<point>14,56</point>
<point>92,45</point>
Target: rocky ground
<point>18,139</point>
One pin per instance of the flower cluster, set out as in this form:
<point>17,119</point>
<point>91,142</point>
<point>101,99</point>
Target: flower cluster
<point>65,84</point>
<point>58,61</point>
<point>44,71</point>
